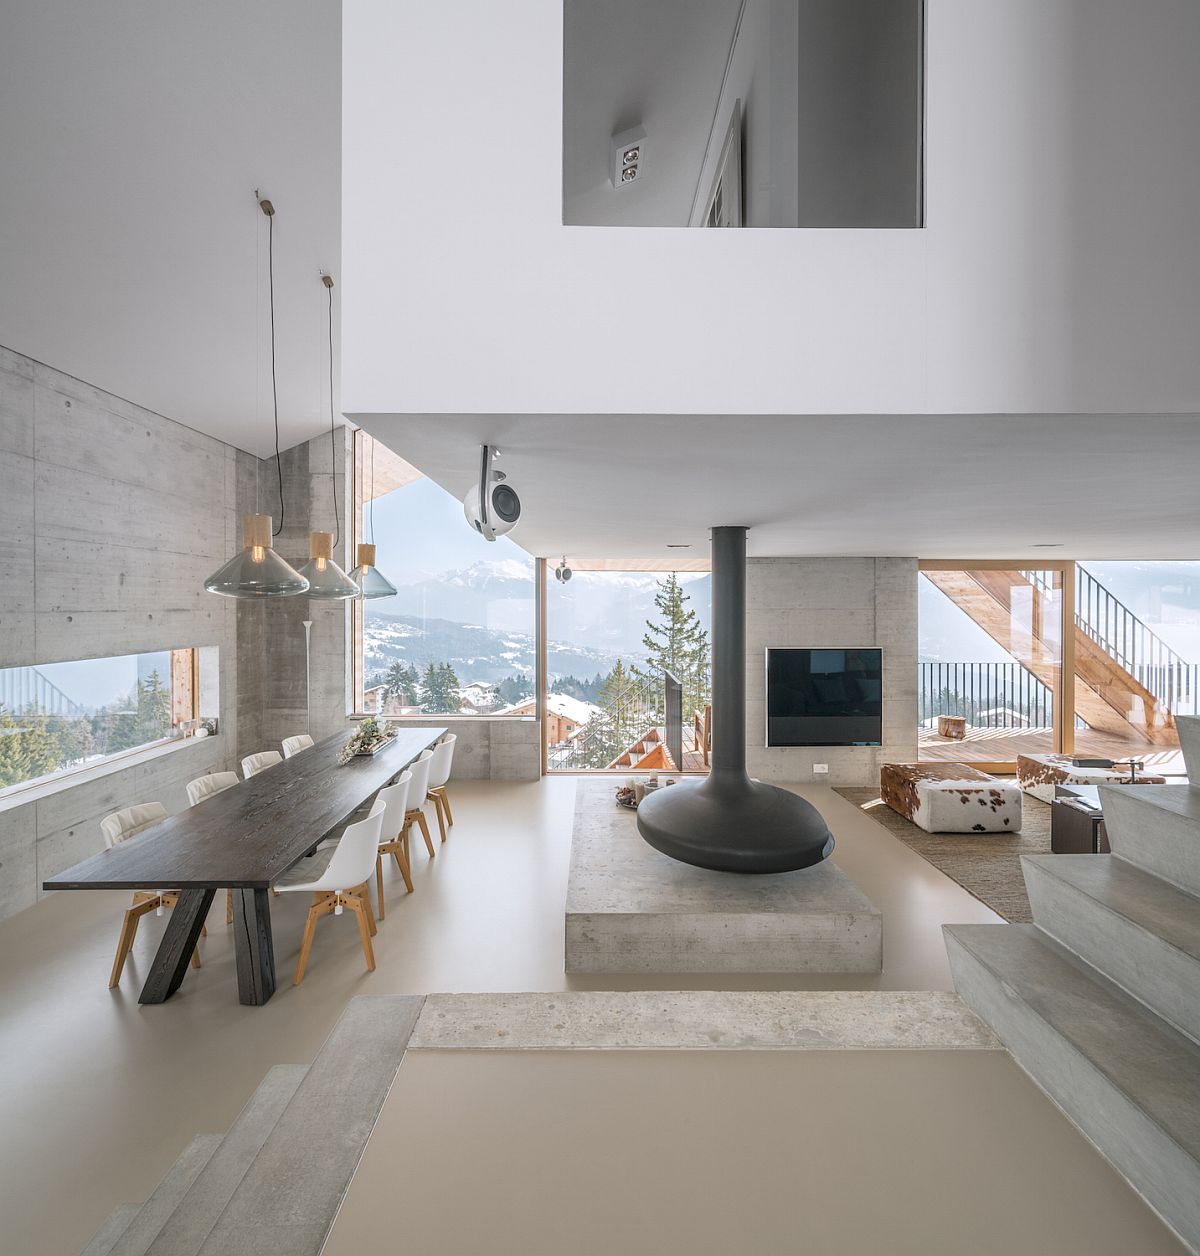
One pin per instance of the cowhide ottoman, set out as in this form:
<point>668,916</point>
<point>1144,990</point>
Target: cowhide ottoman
<point>951,798</point>
<point>1038,774</point>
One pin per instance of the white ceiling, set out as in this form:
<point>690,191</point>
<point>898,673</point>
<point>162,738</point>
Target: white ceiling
<point>132,136</point>
<point>629,62</point>
<point>935,486</point>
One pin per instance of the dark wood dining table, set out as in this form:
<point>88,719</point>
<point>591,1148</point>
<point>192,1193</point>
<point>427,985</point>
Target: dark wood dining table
<point>244,838</point>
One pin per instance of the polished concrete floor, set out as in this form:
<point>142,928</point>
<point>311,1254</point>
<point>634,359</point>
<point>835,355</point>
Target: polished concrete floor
<point>102,1094</point>
<point>908,1153</point>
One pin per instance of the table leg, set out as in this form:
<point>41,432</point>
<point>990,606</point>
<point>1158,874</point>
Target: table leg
<point>178,942</point>
<point>252,945</point>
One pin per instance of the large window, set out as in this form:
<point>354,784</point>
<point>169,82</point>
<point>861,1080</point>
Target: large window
<point>1091,658</point>
<point>459,636</point>
<point>616,640</point>
<point>60,717</point>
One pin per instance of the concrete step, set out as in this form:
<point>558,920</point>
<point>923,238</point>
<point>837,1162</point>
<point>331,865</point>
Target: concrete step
<point>167,1194</point>
<point>1188,728</point>
<point>1156,827</point>
<point>114,1226</point>
<point>287,1200</point>
<point>185,1230</point>
<point>1122,1075</point>
<point>1139,930</point>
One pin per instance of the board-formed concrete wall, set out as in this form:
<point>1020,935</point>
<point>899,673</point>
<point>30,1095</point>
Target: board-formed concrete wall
<point>111,517</point>
<point>833,602</point>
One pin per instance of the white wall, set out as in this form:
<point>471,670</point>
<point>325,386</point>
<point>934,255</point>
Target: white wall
<point>833,601</point>
<point>1058,271</point>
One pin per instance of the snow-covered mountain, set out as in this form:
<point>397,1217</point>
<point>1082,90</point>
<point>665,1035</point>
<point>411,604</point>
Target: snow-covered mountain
<point>603,611</point>
<point>476,652</point>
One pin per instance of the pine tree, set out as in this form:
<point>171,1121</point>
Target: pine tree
<point>28,747</point>
<point>403,683</point>
<point>621,720</point>
<point>439,689</point>
<point>676,643</point>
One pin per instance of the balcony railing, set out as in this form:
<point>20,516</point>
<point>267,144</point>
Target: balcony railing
<point>989,695</point>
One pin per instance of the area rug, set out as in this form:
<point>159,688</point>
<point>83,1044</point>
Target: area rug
<point>987,865</point>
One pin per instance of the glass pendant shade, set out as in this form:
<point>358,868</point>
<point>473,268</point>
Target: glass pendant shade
<point>367,578</point>
<point>325,578</point>
<point>257,571</point>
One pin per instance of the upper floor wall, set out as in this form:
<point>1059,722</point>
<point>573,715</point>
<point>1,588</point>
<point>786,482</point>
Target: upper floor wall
<point>1059,269</point>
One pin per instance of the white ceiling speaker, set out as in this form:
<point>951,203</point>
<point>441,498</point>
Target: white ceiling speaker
<point>562,573</point>
<point>492,506</point>
<point>628,156</point>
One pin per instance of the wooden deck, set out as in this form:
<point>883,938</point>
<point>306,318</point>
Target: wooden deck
<point>1002,745</point>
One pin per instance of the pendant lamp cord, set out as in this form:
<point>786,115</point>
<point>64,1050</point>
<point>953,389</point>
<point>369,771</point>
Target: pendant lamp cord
<point>274,384</point>
<point>372,516</point>
<point>337,525</point>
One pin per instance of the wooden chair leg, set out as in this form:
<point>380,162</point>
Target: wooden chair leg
<point>443,792</point>
<point>229,907</point>
<point>128,932</point>
<point>320,907</point>
<point>441,819</point>
<point>360,910</point>
<point>379,883</point>
<point>404,866</point>
<point>417,816</point>
<point>364,893</point>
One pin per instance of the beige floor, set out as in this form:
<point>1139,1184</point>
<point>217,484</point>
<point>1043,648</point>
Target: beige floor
<point>704,1153</point>
<point>102,1094</point>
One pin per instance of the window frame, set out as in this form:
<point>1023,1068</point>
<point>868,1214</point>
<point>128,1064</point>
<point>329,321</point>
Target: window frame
<point>184,687</point>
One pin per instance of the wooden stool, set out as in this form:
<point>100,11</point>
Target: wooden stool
<point>952,726</point>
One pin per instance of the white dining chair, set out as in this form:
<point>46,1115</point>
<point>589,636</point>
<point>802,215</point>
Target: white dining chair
<point>120,827</point>
<point>417,789</point>
<point>439,773</point>
<point>393,834</point>
<point>253,764</point>
<point>293,745</point>
<point>336,877</point>
<point>205,787</point>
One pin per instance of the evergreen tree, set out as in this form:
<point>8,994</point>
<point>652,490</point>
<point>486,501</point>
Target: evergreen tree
<point>403,683</point>
<point>28,747</point>
<point>514,689</point>
<point>676,643</point>
<point>621,720</point>
<point>439,689</point>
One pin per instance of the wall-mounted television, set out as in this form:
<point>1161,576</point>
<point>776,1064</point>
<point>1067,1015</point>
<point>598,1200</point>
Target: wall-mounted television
<point>825,697</point>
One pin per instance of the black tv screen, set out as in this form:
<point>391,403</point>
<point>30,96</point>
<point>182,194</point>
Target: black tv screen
<point>824,697</point>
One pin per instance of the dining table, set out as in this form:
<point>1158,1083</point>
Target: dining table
<point>243,839</point>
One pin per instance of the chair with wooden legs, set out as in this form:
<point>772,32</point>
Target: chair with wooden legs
<point>293,745</point>
<point>117,828</point>
<point>205,787</point>
<point>439,774</point>
<point>340,881</point>
<point>418,787</point>
<point>393,835</point>
<point>253,764</point>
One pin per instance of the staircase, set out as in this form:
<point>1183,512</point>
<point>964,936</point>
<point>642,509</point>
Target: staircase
<point>274,1181</point>
<point>1125,676</point>
<point>1099,999</point>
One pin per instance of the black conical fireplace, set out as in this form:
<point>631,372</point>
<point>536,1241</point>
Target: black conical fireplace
<point>729,822</point>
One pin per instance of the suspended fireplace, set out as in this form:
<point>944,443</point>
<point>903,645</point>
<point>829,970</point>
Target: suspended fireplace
<point>728,822</point>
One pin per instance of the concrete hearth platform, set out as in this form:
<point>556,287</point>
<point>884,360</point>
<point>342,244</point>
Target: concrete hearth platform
<point>632,909</point>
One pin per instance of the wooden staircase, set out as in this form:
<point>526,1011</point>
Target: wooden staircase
<point>648,753</point>
<point>1018,616</point>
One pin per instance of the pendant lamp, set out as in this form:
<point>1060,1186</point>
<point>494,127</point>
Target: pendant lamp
<point>326,580</point>
<point>367,577</point>
<point>258,571</point>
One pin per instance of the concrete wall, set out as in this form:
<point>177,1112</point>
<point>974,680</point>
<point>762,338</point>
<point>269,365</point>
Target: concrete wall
<point>1043,283</point>
<point>111,517</point>
<point>505,749</point>
<point>833,602</point>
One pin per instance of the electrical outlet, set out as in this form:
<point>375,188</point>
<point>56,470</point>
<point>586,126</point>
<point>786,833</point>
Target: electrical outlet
<point>820,769</point>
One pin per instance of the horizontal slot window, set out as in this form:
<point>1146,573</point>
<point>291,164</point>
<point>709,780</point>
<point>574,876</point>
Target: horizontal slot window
<point>58,718</point>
